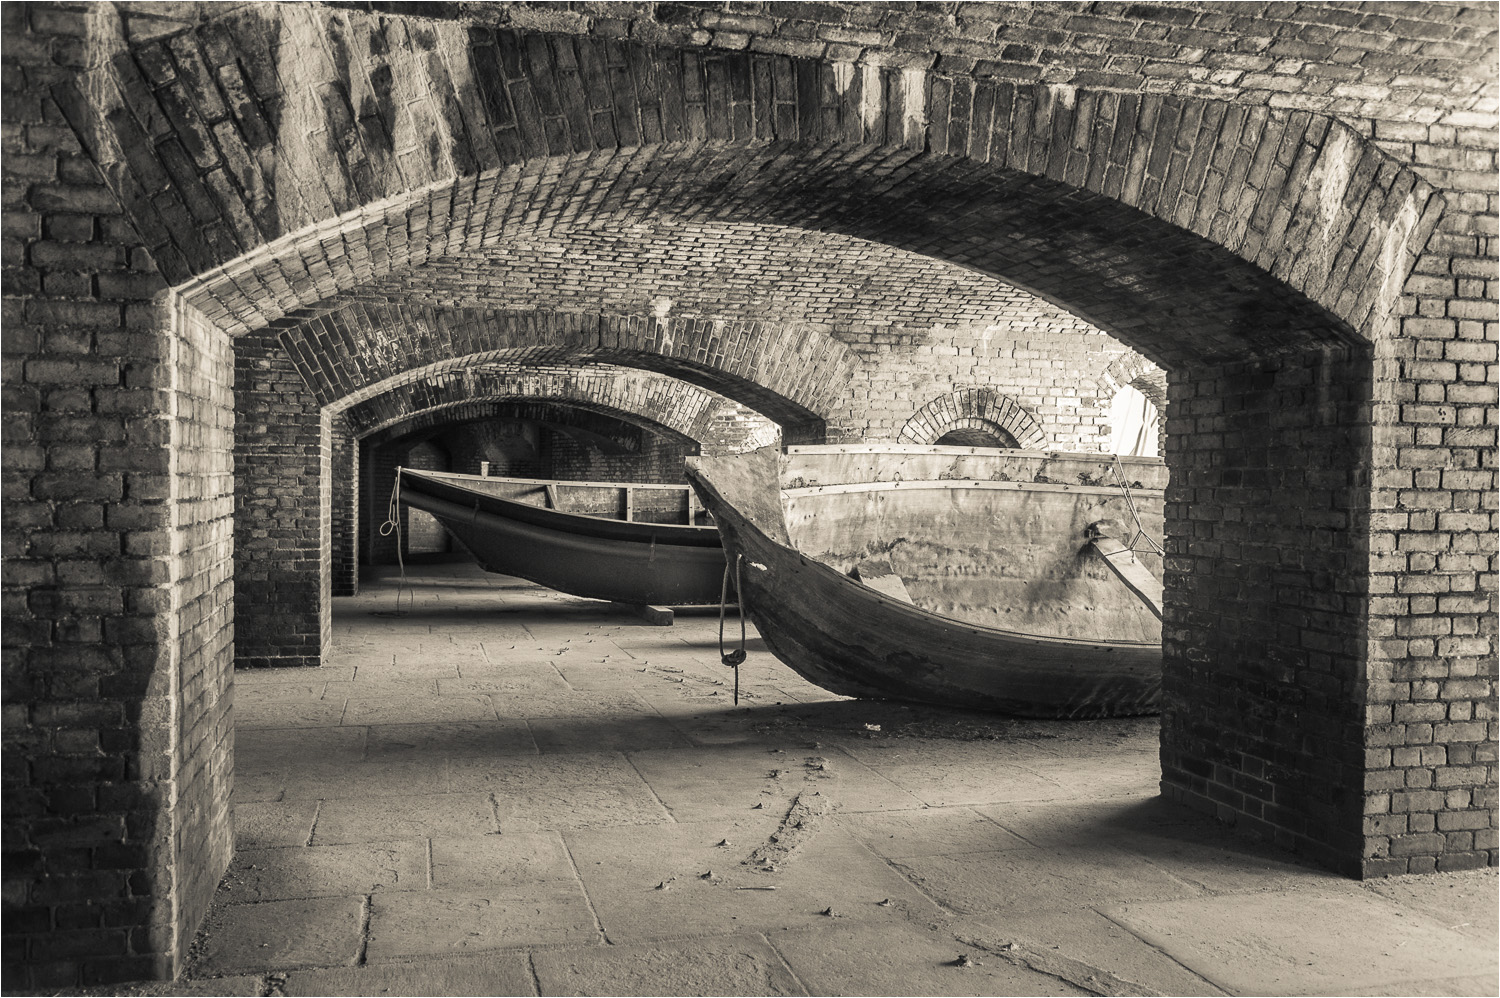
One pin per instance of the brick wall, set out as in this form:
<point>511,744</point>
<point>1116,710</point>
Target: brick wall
<point>344,510</point>
<point>1262,716</point>
<point>117,726</point>
<point>280,544</point>
<point>1430,741</point>
<point>203,509</point>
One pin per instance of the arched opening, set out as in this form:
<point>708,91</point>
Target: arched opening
<point>990,436</point>
<point>1134,423</point>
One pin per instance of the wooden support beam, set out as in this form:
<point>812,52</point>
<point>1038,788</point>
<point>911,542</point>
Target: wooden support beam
<point>1123,562</point>
<point>629,503</point>
<point>552,502</point>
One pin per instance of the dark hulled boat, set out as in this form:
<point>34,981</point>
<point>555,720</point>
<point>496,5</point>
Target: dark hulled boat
<point>627,561</point>
<point>980,587</point>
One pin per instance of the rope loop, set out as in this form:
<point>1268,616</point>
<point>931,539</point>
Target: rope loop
<point>392,526</point>
<point>738,655</point>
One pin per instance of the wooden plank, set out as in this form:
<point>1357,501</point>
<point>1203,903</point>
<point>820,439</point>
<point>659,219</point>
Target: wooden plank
<point>552,502</point>
<point>1123,562</point>
<point>881,577</point>
<point>692,513</point>
<point>629,504</point>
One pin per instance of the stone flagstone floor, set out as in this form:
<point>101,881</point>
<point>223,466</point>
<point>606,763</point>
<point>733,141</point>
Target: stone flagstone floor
<point>508,791</point>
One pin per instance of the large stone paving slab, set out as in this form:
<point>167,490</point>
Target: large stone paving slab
<point>326,871</point>
<point>454,922</point>
<point>591,734</point>
<point>482,739</point>
<point>1027,880</point>
<point>899,959</point>
<point>1190,847</point>
<point>715,782</point>
<point>297,747</point>
<point>929,832</point>
<point>943,773</point>
<point>409,710</point>
<point>273,823</point>
<point>395,817</point>
<point>1289,943</point>
<point>378,777</point>
<point>678,881</point>
<point>479,864</point>
<point>1465,902</point>
<point>289,714</point>
<point>1088,940</point>
<point>282,935</point>
<point>736,965</point>
<point>504,973</point>
<point>560,791</point>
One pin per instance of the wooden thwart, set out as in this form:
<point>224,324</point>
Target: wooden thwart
<point>1123,563</point>
<point>881,577</point>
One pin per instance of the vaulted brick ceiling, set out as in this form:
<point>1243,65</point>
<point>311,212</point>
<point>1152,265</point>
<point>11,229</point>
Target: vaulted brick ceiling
<point>1180,225</point>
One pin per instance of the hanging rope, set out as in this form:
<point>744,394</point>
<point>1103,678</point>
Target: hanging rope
<point>1140,529</point>
<point>392,525</point>
<point>732,658</point>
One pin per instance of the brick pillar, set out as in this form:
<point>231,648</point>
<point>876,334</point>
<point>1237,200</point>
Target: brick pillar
<point>1263,719</point>
<point>117,732</point>
<point>1430,743</point>
<point>381,462</point>
<point>344,509</point>
<point>282,556</point>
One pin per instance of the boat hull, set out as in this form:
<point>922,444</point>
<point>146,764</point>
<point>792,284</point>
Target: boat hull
<point>854,640</point>
<point>622,561</point>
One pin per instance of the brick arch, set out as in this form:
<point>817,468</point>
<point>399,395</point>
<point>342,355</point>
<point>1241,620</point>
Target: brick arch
<point>360,350</point>
<point>654,402</point>
<point>974,409</point>
<point>1142,375</point>
<point>1302,225</point>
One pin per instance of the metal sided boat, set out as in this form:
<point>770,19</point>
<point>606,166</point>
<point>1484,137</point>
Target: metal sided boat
<point>508,526</point>
<point>1014,581</point>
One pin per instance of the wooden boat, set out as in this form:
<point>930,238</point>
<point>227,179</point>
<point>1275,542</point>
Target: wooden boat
<point>982,589</point>
<point>624,560</point>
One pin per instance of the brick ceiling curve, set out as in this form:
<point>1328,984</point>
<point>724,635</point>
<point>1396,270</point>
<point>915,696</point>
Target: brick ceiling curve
<point>1396,61</point>
<point>655,403</point>
<point>278,154</point>
<point>789,374</point>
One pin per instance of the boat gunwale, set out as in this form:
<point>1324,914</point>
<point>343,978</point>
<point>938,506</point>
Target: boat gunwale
<point>958,451</point>
<point>641,532</point>
<point>559,482</point>
<point>918,485</point>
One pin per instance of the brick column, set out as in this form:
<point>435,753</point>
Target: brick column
<point>282,556</point>
<point>1430,743</point>
<point>344,509</point>
<point>1263,717</point>
<point>117,731</point>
